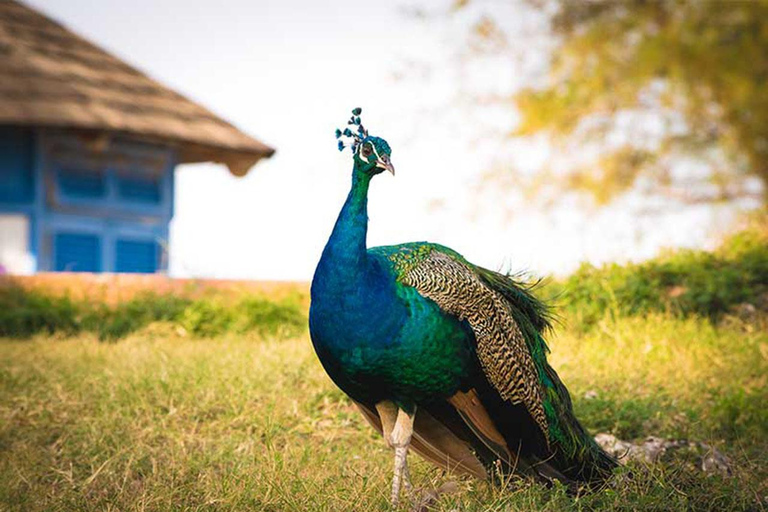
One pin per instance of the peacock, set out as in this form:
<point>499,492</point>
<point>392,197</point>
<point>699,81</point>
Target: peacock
<point>442,356</point>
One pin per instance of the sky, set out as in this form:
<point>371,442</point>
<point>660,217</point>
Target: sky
<point>288,72</point>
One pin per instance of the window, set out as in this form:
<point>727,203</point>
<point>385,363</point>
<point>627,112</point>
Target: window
<point>77,252</point>
<point>136,256</point>
<point>139,189</point>
<point>82,184</point>
<point>16,165</point>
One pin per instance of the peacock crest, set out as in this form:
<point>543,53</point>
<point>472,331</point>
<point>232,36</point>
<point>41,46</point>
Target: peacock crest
<point>370,152</point>
<point>354,137</point>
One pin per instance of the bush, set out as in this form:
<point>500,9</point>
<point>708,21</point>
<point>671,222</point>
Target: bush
<point>117,322</point>
<point>24,313</point>
<point>284,318</point>
<point>684,282</point>
<point>251,314</point>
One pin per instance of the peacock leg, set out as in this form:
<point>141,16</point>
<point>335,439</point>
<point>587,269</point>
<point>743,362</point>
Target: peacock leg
<point>407,482</point>
<point>388,415</point>
<point>401,439</point>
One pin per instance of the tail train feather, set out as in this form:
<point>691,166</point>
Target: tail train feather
<point>478,433</point>
<point>574,452</point>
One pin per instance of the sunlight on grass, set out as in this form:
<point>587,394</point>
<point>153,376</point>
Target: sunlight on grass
<point>160,421</point>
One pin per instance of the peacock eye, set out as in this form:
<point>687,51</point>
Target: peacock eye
<point>367,150</point>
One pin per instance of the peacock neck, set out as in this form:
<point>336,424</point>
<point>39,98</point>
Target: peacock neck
<point>346,248</point>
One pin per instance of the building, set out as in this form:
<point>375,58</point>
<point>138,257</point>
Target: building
<point>88,147</point>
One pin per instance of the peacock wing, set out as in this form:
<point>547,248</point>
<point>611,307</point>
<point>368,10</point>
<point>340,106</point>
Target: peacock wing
<point>454,285</point>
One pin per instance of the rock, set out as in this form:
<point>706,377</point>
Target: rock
<point>714,462</point>
<point>590,395</point>
<point>614,446</point>
<point>653,449</point>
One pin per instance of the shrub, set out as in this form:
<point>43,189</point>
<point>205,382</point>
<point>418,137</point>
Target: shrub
<point>284,318</point>
<point>140,311</point>
<point>208,317</point>
<point>685,282</point>
<point>24,313</point>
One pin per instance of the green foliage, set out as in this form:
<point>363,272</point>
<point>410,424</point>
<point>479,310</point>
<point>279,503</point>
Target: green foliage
<point>686,282</point>
<point>705,62</point>
<point>22,313</point>
<point>126,317</point>
<point>25,313</point>
<point>215,317</point>
<point>663,97</point>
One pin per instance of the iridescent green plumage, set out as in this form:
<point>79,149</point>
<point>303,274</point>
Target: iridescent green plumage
<point>530,316</point>
<point>418,327</point>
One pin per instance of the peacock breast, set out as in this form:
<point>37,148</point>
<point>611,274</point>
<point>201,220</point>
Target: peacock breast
<point>382,340</point>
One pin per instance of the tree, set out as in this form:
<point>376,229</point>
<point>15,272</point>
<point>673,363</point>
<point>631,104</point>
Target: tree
<point>666,96</point>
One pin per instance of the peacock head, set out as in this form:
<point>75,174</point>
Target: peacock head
<point>371,154</point>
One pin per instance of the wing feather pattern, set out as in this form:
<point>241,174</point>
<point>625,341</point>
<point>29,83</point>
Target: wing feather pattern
<point>501,347</point>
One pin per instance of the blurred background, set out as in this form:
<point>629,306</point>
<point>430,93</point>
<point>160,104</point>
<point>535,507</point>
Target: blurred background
<point>618,147</point>
<point>526,134</point>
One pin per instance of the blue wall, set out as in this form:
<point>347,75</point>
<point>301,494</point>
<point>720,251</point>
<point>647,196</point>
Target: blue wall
<point>93,206</point>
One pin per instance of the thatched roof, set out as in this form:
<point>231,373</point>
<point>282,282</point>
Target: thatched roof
<point>51,77</point>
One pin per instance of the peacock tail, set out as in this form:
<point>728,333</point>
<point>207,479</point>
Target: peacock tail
<point>509,323</point>
<point>576,448</point>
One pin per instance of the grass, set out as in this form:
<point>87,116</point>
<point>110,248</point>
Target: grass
<point>166,421</point>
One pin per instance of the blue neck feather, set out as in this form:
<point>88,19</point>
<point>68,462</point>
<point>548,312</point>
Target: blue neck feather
<point>351,291</point>
<point>345,252</point>
<point>342,283</point>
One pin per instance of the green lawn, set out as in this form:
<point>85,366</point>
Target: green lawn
<point>161,420</point>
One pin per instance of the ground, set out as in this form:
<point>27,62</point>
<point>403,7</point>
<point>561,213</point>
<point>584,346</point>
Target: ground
<point>164,420</point>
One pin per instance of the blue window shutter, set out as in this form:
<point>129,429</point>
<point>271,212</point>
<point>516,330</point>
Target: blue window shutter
<point>79,184</point>
<point>16,164</point>
<point>139,189</point>
<point>77,253</point>
<point>136,256</point>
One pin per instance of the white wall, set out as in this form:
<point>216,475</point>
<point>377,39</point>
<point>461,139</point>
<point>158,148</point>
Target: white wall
<point>15,257</point>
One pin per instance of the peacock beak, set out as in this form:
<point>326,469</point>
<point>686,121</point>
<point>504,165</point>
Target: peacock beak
<point>386,164</point>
